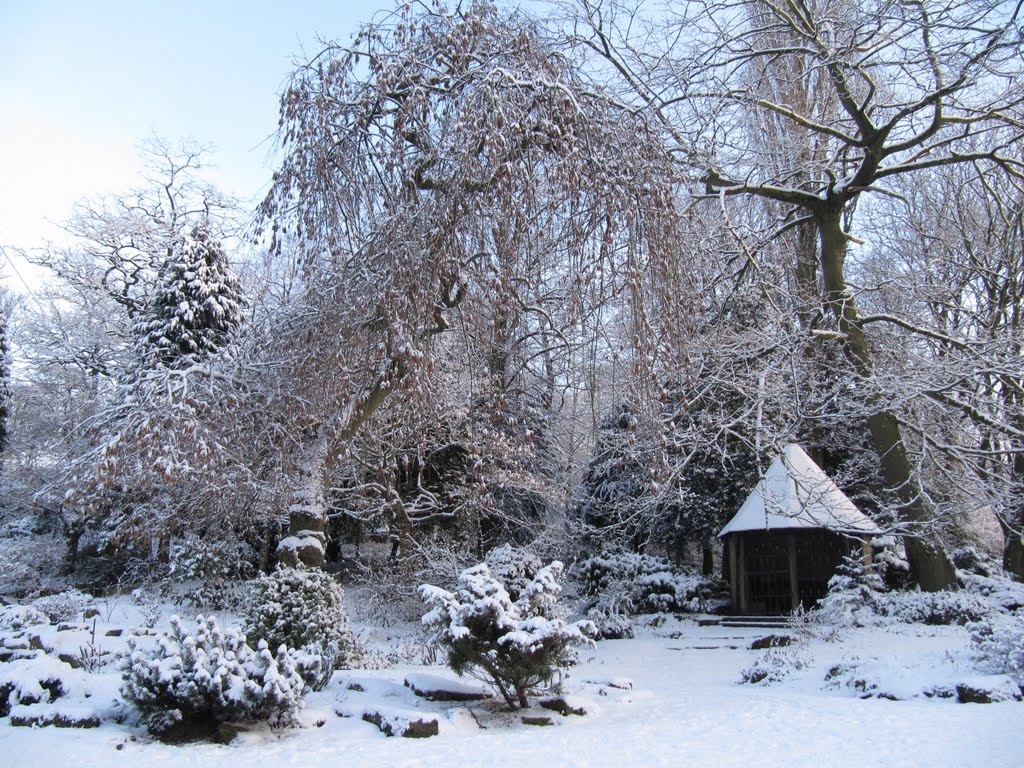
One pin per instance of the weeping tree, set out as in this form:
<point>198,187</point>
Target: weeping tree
<point>876,91</point>
<point>406,155</point>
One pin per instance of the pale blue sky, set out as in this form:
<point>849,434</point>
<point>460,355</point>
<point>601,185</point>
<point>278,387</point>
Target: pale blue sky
<point>82,82</point>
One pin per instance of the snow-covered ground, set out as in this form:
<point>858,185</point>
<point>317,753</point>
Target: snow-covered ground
<point>669,697</point>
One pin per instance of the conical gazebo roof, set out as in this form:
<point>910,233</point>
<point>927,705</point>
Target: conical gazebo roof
<point>795,493</point>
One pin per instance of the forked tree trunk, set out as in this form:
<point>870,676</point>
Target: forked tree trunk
<point>929,564</point>
<point>306,542</point>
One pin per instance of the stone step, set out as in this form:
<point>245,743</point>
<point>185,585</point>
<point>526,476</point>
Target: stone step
<point>756,622</point>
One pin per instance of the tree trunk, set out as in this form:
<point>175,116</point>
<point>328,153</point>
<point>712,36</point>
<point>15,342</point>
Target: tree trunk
<point>524,703</point>
<point>307,514</point>
<point>708,564</point>
<point>1013,552</point>
<point>74,536</point>
<point>1013,524</point>
<point>929,564</point>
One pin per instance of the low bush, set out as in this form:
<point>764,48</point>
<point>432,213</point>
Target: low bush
<point>774,665</point>
<point>513,644</point>
<point>515,568</point>
<point>18,617</point>
<point>629,583</point>
<point>857,597</point>
<point>215,571</point>
<point>604,572</point>
<point>939,608</point>
<point>63,606</point>
<point>188,684</point>
<point>853,597</point>
<point>997,644</point>
<point>303,609</point>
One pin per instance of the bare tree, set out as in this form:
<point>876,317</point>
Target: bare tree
<point>951,279</point>
<point>895,88</point>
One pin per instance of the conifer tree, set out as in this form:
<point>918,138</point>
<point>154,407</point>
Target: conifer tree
<point>197,305</point>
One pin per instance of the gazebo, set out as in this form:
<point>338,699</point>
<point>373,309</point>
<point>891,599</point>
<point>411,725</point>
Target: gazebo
<point>790,535</point>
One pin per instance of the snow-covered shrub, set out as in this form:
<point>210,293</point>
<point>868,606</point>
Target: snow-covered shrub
<point>196,558</point>
<point>513,567</point>
<point>37,679</point>
<point>890,563</point>
<point>997,644</point>
<point>189,683</point>
<point>852,598</point>
<point>1003,593</point>
<point>598,574</point>
<point>634,583</point>
<point>674,591</point>
<point>610,616</point>
<point>63,606</point>
<point>302,609</point>
<point>775,664</point>
<point>218,566</point>
<point>968,559</point>
<point>18,617</point>
<point>513,644</point>
<point>29,565</point>
<point>934,607</point>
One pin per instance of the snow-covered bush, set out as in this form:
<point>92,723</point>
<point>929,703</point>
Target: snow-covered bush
<point>18,617</point>
<point>997,644</point>
<point>968,559</point>
<point>890,562</point>
<point>189,683</point>
<point>629,583</point>
<point>219,567</point>
<point>999,590</point>
<point>604,572</point>
<point>853,595</point>
<point>775,664</point>
<point>514,644</point>
<point>40,678</point>
<point>29,564</point>
<point>609,614</point>
<point>857,598</point>
<point>63,606</point>
<point>303,609</point>
<point>934,607</point>
<point>674,591</point>
<point>515,568</point>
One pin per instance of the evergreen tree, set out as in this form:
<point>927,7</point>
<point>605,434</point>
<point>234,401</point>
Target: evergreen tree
<point>197,305</point>
<point>709,471</point>
<point>615,495</point>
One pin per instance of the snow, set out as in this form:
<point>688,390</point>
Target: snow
<point>795,493</point>
<point>310,539</point>
<point>426,682</point>
<point>669,697</point>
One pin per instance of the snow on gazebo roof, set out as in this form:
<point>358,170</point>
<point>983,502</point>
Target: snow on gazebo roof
<point>795,493</point>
